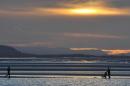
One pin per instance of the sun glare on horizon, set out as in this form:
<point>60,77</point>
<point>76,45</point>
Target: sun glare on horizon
<point>97,11</point>
<point>97,8</point>
<point>83,11</point>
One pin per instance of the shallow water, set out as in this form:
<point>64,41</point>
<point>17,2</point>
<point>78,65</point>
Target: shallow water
<point>77,81</point>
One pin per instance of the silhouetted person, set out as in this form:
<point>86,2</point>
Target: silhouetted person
<point>109,72</point>
<point>8,72</point>
<point>105,75</point>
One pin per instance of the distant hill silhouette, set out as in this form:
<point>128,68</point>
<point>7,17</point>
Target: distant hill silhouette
<point>45,50</point>
<point>55,51</point>
<point>6,51</point>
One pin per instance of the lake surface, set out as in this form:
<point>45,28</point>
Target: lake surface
<point>37,67</point>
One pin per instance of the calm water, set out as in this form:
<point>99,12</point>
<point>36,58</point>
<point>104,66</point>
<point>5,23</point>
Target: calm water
<point>40,66</point>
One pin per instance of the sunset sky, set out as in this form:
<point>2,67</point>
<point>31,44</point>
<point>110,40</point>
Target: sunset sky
<point>102,24</point>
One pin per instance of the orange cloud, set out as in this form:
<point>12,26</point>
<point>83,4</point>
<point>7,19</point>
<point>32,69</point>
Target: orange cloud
<point>93,9</point>
<point>81,8</point>
<point>84,11</point>
<point>85,8</point>
<point>116,52</point>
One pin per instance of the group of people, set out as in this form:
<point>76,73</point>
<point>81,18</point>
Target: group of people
<point>107,73</point>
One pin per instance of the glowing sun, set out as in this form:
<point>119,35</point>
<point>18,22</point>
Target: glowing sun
<point>89,9</point>
<point>98,11</point>
<point>84,11</point>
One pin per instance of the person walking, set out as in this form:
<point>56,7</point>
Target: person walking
<point>8,72</point>
<point>105,75</point>
<point>109,72</point>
